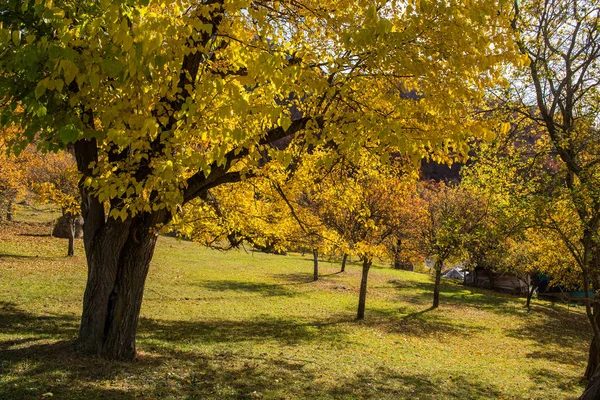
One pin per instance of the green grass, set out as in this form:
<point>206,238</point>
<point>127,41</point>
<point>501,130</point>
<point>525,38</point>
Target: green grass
<point>241,325</point>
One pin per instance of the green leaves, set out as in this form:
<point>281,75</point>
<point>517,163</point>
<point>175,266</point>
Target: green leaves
<point>40,89</point>
<point>69,134</point>
<point>69,69</point>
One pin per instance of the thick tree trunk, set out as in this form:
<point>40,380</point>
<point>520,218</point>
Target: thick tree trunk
<point>593,352</point>
<point>593,359</point>
<point>438,277</point>
<point>592,391</point>
<point>362,297</point>
<point>344,259</point>
<point>315,265</point>
<point>118,260</point>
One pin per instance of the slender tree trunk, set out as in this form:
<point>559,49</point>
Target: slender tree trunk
<point>344,259</point>
<point>438,277</point>
<point>362,299</point>
<point>315,265</point>
<point>9,211</point>
<point>491,276</point>
<point>71,232</point>
<point>530,294</point>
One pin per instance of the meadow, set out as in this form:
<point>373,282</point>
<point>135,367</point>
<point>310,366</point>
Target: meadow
<point>249,325</point>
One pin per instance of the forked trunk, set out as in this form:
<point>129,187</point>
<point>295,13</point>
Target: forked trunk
<point>315,265</point>
<point>362,299</point>
<point>118,255</point>
<point>344,259</point>
<point>438,277</point>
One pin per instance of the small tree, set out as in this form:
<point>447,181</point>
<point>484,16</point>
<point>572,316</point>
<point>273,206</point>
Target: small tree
<point>363,205</point>
<point>453,216</point>
<point>53,177</point>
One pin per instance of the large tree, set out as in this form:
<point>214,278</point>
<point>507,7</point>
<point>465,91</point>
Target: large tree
<point>559,92</point>
<point>163,101</point>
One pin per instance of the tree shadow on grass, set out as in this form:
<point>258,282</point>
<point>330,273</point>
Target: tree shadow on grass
<point>265,289</point>
<point>303,277</point>
<point>165,369</point>
<point>457,294</point>
<point>556,337</point>
<point>546,378</point>
<point>387,383</point>
<point>285,331</point>
<point>25,257</point>
<point>420,324</point>
<point>15,321</point>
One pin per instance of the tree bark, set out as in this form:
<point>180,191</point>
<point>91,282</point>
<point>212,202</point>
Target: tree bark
<point>438,277</point>
<point>9,211</point>
<point>118,261</point>
<point>491,276</point>
<point>592,390</point>
<point>344,259</point>
<point>593,353</point>
<point>71,232</point>
<point>315,265</point>
<point>362,299</point>
<point>530,294</point>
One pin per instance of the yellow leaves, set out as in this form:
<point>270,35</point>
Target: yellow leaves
<point>505,128</point>
<point>119,213</point>
<point>285,122</point>
<point>16,38</point>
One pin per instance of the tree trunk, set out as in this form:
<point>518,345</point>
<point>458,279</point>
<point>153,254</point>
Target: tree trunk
<point>438,277</point>
<point>397,257</point>
<point>530,294</point>
<point>362,299</point>
<point>593,359</point>
<point>118,260</point>
<point>592,390</point>
<point>71,232</point>
<point>491,276</point>
<point>315,265</point>
<point>9,211</point>
<point>344,259</point>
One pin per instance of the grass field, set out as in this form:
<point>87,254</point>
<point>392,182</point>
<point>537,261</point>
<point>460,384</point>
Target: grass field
<point>241,325</point>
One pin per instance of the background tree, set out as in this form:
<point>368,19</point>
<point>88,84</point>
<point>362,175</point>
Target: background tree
<point>12,180</point>
<point>453,215</point>
<point>362,204</point>
<point>560,40</point>
<point>53,178</point>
